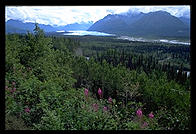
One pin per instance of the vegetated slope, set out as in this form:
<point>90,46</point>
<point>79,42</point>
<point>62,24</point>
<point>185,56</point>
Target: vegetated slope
<point>159,23</point>
<point>47,87</point>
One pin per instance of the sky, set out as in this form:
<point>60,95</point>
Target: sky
<point>63,15</point>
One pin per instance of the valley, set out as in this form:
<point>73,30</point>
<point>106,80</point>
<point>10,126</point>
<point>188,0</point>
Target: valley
<point>98,68</point>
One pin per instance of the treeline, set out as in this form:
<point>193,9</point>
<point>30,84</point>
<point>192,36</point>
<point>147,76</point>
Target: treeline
<point>176,54</point>
<point>48,87</point>
<point>144,62</point>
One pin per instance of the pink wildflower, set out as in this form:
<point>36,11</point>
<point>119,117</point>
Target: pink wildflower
<point>27,110</point>
<point>6,87</point>
<point>139,112</point>
<point>110,100</point>
<point>13,83</point>
<point>151,115</point>
<point>145,124</point>
<point>95,107</point>
<point>105,108</point>
<point>86,92</point>
<point>100,92</point>
<point>14,89</point>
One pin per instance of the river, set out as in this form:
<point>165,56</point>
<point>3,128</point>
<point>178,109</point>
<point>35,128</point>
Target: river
<point>82,33</point>
<point>153,40</point>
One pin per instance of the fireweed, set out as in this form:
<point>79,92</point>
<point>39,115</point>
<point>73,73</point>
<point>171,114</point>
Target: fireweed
<point>100,93</point>
<point>142,121</point>
<point>27,110</point>
<point>145,124</point>
<point>95,107</point>
<point>105,108</point>
<point>139,113</point>
<point>86,92</point>
<point>151,115</point>
<point>110,100</point>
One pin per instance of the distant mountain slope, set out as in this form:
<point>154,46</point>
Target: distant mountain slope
<point>78,26</point>
<point>16,26</point>
<point>13,29</point>
<point>131,17</point>
<point>186,21</point>
<point>115,23</point>
<point>109,24</point>
<point>159,23</point>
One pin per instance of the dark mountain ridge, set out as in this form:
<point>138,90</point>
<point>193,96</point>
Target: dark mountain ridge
<point>185,20</point>
<point>159,23</point>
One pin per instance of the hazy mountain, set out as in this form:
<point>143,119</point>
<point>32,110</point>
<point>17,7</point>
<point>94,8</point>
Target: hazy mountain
<point>16,26</point>
<point>78,26</point>
<point>159,23</point>
<point>185,20</point>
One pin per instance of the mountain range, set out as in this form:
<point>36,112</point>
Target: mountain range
<point>159,23</point>
<point>16,26</point>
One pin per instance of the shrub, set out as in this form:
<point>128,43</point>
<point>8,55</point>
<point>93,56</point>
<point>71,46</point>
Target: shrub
<point>14,123</point>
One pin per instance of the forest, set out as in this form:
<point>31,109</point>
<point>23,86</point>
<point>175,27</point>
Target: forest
<point>95,83</point>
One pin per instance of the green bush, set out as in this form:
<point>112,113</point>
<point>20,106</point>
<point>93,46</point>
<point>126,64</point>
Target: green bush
<point>14,123</point>
<point>163,93</point>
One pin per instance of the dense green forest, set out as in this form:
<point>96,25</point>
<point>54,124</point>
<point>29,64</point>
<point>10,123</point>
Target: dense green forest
<point>95,83</point>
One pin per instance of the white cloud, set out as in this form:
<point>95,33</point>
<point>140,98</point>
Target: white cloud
<point>173,10</point>
<point>62,15</point>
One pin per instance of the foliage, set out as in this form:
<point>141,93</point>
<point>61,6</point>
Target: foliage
<point>46,77</point>
<point>15,123</point>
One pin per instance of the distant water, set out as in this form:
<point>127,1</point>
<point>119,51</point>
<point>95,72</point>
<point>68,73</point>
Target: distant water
<point>174,42</point>
<point>153,40</point>
<point>81,33</point>
<point>61,31</point>
<point>188,72</point>
<point>95,33</point>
